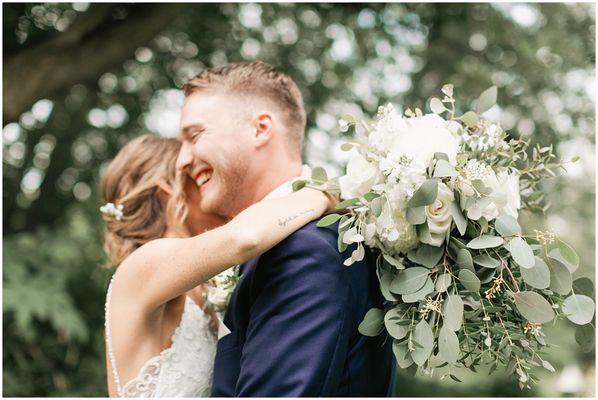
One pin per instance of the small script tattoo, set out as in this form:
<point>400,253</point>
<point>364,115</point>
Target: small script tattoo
<point>284,221</point>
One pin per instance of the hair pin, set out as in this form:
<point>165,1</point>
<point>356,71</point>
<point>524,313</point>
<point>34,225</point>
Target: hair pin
<point>112,210</point>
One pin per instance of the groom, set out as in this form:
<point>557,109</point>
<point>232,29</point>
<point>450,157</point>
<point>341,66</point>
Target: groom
<point>294,316</point>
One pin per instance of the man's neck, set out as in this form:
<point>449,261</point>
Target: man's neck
<point>272,178</point>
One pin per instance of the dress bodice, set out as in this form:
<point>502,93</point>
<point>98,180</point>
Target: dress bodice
<point>182,370</point>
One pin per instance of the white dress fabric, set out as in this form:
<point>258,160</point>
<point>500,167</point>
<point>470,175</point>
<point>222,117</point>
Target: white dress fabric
<point>185,369</point>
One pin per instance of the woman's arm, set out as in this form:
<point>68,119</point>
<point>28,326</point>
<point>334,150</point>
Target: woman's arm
<point>166,268</point>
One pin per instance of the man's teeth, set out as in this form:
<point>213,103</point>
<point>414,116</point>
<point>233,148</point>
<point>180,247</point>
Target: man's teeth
<point>203,178</point>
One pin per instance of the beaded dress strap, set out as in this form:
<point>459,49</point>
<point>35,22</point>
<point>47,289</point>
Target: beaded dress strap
<point>109,341</point>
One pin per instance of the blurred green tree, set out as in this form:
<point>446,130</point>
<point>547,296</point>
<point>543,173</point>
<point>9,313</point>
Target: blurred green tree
<point>81,80</point>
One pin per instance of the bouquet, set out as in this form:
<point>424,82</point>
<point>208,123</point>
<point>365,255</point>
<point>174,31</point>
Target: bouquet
<point>438,197</point>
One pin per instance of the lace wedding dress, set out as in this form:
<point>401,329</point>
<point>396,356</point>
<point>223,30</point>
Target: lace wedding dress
<point>184,369</point>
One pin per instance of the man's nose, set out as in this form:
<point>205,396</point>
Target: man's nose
<point>184,158</point>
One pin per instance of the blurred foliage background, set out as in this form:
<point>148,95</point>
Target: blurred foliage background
<point>80,80</point>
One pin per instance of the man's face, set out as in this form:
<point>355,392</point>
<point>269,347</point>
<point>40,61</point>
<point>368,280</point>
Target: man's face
<point>216,149</point>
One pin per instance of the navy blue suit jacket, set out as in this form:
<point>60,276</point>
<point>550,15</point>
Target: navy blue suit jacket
<point>293,319</point>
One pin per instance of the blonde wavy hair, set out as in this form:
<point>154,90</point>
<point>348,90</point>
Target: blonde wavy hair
<point>132,179</point>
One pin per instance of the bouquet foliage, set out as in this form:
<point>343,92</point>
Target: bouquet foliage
<point>438,196</point>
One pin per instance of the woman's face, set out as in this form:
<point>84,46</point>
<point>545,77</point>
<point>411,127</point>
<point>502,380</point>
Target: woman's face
<point>198,221</point>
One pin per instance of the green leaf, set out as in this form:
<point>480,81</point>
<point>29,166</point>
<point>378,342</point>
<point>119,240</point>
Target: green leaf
<point>443,282</point>
<point>426,255</point>
<point>448,345</point>
<point>485,242</point>
<point>369,196</point>
<point>423,335</point>
<point>409,280</point>
<point>436,105</point>
<point>395,330</point>
<point>521,252</point>
<point>416,215</point>
<point>486,261</point>
<point>373,323</point>
<point>486,100</point>
<point>402,354</point>
<point>319,174</point>
<point>298,185</point>
<point>453,312</point>
<point>347,203</point>
<point>548,366</point>
<point>458,217</point>
<point>425,195</point>
<point>584,286</point>
<point>585,336</point>
<point>538,276</point>
<point>470,119</point>
<point>469,280</point>
<point>376,206</point>
<point>534,307</point>
<point>464,260</point>
<point>328,220</point>
<point>393,261</point>
<point>566,255</point>
<point>506,225</point>
<point>420,294</point>
<point>347,146</point>
<point>579,309</point>
<point>385,281</point>
<point>441,156</point>
<point>444,169</point>
<point>560,278</point>
<point>423,233</point>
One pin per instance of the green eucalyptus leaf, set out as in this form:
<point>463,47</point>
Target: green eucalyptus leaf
<point>464,260</point>
<point>424,336</point>
<point>373,323</point>
<point>534,307</point>
<point>393,261</point>
<point>426,255</point>
<point>458,217</point>
<point>565,255</point>
<point>584,286</point>
<point>448,345</point>
<point>585,336</point>
<point>409,280</point>
<point>485,242</point>
<point>470,119</point>
<point>444,169</point>
<point>420,294</point>
<point>328,220</point>
<point>298,185</point>
<point>423,233</point>
<point>486,100</point>
<point>416,215</point>
<point>385,281</point>
<point>538,276</point>
<point>347,203</point>
<point>548,366</point>
<point>452,312</point>
<point>390,321</point>
<point>507,225</point>
<point>402,354</point>
<point>319,174</point>
<point>469,280</point>
<point>369,196</point>
<point>521,252</point>
<point>443,282</point>
<point>579,309</point>
<point>425,195</point>
<point>486,261</point>
<point>560,278</point>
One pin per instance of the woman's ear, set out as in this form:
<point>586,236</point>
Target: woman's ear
<point>165,188</point>
<point>264,132</point>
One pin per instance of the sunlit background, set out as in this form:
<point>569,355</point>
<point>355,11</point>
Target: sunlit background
<point>80,80</point>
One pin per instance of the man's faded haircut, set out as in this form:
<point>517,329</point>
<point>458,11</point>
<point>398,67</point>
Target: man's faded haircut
<point>258,79</point>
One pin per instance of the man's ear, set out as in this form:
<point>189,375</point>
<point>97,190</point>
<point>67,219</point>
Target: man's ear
<point>165,188</point>
<point>263,124</point>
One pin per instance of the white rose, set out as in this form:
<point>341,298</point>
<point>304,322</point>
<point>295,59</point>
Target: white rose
<point>419,138</point>
<point>361,176</point>
<point>509,190</point>
<point>439,215</point>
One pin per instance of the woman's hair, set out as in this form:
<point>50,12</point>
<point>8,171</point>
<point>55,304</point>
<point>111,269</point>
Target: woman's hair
<point>132,180</point>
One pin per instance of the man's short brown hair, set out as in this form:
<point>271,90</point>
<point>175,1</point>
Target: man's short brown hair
<point>259,79</point>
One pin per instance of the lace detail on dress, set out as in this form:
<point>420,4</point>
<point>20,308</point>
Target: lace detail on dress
<point>184,369</point>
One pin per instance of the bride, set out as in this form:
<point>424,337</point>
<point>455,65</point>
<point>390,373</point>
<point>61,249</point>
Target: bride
<point>160,340</point>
